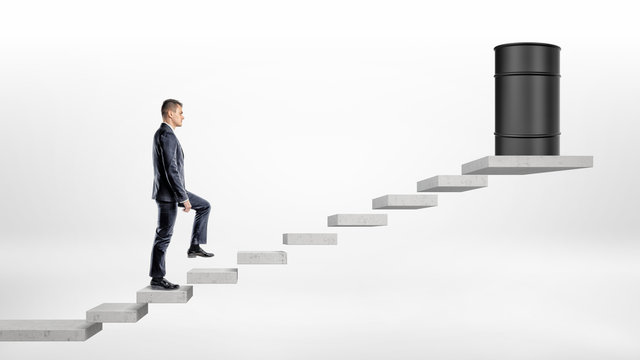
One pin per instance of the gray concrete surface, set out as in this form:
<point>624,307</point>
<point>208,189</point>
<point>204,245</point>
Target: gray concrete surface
<point>357,220</point>
<point>47,330</point>
<point>118,312</point>
<point>310,239</point>
<point>262,257</point>
<point>180,295</point>
<point>522,165</point>
<point>409,201</point>
<point>212,276</point>
<point>453,183</point>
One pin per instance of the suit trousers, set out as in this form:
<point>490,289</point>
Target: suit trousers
<point>167,213</point>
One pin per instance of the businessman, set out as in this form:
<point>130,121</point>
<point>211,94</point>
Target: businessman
<point>169,191</point>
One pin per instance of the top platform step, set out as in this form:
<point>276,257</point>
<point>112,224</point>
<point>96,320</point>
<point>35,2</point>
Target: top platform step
<point>522,165</point>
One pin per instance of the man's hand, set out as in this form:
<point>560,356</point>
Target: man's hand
<point>187,206</point>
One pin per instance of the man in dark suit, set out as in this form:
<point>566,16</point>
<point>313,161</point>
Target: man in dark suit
<point>169,191</point>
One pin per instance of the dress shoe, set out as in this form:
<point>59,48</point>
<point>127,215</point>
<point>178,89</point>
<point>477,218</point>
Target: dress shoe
<point>163,284</point>
<point>198,252</point>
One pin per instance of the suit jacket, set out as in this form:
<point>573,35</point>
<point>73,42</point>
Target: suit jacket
<point>168,166</point>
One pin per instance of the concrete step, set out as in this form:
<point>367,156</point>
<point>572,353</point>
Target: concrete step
<point>262,257</point>
<point>212,276</point>
<point>410,201</point>
<point>117,313</point>
<point>47,330</point>
<point>149,295</point>
<point>522,165</point>
<point>453,183</point>
<point>357,220</point>
<point>310,239</point>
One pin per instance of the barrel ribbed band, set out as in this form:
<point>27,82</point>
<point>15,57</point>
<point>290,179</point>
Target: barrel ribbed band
<point>527,135</point>
<point>525,73</point>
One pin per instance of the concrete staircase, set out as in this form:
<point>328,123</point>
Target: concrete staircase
<point>474,176</point>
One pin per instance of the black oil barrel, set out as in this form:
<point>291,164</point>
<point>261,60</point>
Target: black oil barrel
<point>527,99</point>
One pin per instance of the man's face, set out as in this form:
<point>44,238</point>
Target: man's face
<point>176,116</point>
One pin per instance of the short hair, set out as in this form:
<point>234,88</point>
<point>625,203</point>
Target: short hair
<point>169,104</point>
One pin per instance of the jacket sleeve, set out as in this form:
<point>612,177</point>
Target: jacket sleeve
<point>168,152</point>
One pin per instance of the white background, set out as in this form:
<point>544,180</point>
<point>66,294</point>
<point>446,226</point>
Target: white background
<point>295,111</point>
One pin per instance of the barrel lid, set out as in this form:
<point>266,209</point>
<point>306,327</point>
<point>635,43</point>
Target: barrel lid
<point>527,43</point>
<point>527,58</point>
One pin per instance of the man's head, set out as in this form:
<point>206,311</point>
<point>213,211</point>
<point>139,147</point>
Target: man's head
<point>172,112</point>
